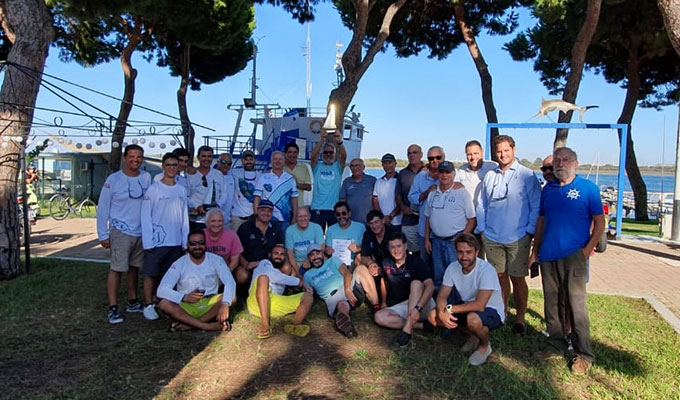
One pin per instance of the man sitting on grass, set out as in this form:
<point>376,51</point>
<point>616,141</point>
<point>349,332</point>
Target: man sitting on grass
<point>266,298</point>
<point>188,291</point>
<point>470,298</point>
<point>409,291</point>
<point>333,282</point>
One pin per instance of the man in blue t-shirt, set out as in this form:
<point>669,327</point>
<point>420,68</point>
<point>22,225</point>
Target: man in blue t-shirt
<point>344,237</point>
<point>327,177</point>
<point>562,244</point>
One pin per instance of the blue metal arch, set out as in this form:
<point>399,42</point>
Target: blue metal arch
<point>622,152</point>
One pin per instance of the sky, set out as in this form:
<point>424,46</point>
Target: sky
<point>401,101</point>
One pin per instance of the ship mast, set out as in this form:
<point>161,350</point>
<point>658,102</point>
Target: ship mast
<point>308,61</point>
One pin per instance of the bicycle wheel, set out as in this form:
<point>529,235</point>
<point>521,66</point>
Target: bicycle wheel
<point>87,209</point>
<point>59,207</point>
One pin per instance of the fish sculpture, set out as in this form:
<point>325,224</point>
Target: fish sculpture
<point>561,105</point>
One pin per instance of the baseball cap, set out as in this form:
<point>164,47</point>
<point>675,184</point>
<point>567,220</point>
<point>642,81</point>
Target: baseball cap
<point>247,153</point>
<point>388,157</point>
<point>445,166</point>
<point>266,204</point>
<point>313,247</point>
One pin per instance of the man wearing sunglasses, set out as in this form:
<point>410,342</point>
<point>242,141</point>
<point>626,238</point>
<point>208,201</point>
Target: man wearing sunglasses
<point>345,236</point>
<point>189,290</point>
<point>119,228</point>
<point>205,185</point>
<point>228,185</point>
<point>165,226</point>
<point>547,170</point>
<point>405,177</point>
<point>327,177</point>
<point>423,184</point>
<point>510,197</point>
<point>244,179</point>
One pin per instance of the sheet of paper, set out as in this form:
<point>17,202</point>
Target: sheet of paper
<point>341,250</point>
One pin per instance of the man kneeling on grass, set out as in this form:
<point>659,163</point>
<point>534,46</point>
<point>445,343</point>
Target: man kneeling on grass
<point>470,298</point>
<point>188,291</point>
<point>333,282</point>
<point>266,299</point>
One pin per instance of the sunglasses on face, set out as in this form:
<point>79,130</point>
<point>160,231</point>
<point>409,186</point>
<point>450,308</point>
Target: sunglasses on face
<point>329,153</point>
<point>438,158</point>
<point>225,162</point>
<point>197,243</point>
<point>341,214</point>
<point>547,168</point>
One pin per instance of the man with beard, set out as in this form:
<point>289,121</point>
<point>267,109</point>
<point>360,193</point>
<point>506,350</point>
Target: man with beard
<point>563,243</point>
<point>244,192</point>
<point>266,299</point>
<point>189,290</point>
<point>258,236</point>
<point>510,196</point>
<point>547,169</point>
<point>206,185</point>
<point>470,299</point>
<point>327,177</point>
<point>344,236</point>
<point>333,282</point>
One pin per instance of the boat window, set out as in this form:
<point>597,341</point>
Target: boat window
<point>347,134</point>
<point>360,134</point>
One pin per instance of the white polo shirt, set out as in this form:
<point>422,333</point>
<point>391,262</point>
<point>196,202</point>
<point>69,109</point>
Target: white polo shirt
<point>448,211</point>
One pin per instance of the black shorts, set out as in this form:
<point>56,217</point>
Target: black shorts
<point>159,259</point>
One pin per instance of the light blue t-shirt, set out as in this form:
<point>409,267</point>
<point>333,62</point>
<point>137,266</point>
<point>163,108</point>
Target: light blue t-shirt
<point>326,278</point>
<point>568,211</point>
<point>298,240</point>
<point>327,181</point>
<point>354,232</point>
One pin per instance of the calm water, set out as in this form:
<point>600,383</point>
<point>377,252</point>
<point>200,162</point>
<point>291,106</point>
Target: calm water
<point>655,183</point>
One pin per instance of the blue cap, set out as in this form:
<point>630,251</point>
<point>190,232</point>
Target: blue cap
<point>266,204</point>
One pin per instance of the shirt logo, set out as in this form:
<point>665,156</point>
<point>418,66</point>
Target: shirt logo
<point>268,187</point>
<point>573,194</point>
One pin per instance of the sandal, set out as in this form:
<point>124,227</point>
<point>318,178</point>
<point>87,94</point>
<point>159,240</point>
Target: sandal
<point>296,330</point>
<point>226,326</point>
<point>179,327</point>
<point>264,334</point>
<point>344,325</point>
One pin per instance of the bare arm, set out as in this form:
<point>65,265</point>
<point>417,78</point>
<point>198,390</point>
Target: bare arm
<point>234,261</point>
<point>256,203</point>
<point>317,148</point>
<point>538,239</point>
<point>478,304</point>
<point>293,262</point>
<point>598,228</point>
<point>342,153</point>
<point>427,293</point>
<point>470,225</point>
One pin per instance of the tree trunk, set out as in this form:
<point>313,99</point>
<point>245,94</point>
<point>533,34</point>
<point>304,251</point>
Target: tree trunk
<point>578,57</point>
<point>130,74</point>
<point>187,129</point>
<point>480,64</point>
<point>353,64</point>
<point>632,170</point>
<point>670,9</point>
<point>28,25</point>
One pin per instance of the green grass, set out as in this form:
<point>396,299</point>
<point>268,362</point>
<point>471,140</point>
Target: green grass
<point>633,227</point>
<point>56,344</point>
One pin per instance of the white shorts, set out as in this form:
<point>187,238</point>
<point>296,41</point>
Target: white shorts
<point>402,309</point>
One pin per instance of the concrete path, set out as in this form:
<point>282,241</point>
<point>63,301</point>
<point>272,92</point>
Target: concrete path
<point>634,266</point>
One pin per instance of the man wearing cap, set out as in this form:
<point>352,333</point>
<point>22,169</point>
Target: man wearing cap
<point>266,298</point>
<point>279,187</point>
<point>333,282</point>
<point>409,216</point>
<point>258,236</point>
<point>357,191</point>
<point>244,191</point>
<point>228,184</point>
<point>448,212</point>
<point>327,177</point>
<point>299,171</point>
<point>384,192</point>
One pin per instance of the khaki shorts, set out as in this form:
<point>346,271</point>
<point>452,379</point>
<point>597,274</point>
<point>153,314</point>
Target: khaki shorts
<point>411,233</point>
<point>509,258</point>
<point>126,251</point>
<point>402,310</point>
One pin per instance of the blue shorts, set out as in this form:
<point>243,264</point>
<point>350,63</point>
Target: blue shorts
<point>489,316</point>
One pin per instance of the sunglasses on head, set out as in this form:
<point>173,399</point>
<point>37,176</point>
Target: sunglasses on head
<point>438,158</point>
<point>341,213</point>
<point>197,243</point>
<point>546,168</point>
<point>225,162</point>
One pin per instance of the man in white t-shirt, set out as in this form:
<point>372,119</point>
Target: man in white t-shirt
<point>119,228</point>
<point>165,225</point>
<point>244,192</point>
<point>470,299</point>
<point>189,290</point>
<point>384,192</point>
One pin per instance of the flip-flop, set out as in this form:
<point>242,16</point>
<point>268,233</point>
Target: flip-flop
<point>264,335</point>
<point>226,326</point>
<point>296,330</point>
<point>179,327</point>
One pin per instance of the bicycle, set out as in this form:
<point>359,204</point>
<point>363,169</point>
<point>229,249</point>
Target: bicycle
<point>61,207</point>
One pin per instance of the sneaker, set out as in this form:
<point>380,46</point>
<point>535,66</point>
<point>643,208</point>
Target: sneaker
<point>470,345</point>
<point>580,365</point>
<point>402,339</point>
<point>114,316</point>
<point>135,307</point>
<point>150,312</point>
<point>570,344</point>
<point>478,358</point>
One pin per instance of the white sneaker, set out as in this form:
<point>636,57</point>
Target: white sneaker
<point>150,312</point>
<point>478,358</point>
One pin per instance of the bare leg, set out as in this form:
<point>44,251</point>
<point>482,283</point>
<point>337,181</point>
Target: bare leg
<point>414,295</point>
<point>212,313</point>
<point>389,319</point>
<point>505,289</point>
<point>241,275</point>
<point>304,307</point>
<point>475,327</point>
<point>262,296</point>
<point>176,312</point>
<point>343,307</point>
<point>132,279</point>
<point>366,280</point>
<point>112,286</point>
<point>520,293</point>
<point>149,286</point>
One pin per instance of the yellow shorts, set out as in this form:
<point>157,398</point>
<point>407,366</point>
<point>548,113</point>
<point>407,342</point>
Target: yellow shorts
<point>279,305</point>
<point>199,308</point>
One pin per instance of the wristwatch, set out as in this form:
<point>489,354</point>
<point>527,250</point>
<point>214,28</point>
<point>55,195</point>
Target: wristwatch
<point>418,308</point>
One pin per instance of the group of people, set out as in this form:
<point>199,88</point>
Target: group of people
<point>428,247</point>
